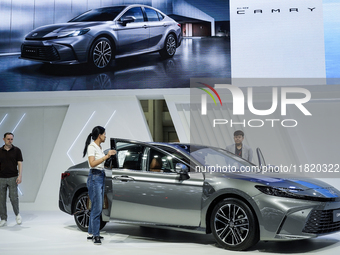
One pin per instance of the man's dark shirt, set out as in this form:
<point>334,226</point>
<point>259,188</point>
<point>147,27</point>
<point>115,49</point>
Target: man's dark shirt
<point>9,162</point>
<point>238,152</point>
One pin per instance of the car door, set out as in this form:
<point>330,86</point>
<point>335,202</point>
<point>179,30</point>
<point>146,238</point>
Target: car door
<point>133,36</point>
<point>157,26</point>
<point>144,191</point>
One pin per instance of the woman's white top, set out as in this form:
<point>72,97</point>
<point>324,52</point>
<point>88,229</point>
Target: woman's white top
<point>94,150</point>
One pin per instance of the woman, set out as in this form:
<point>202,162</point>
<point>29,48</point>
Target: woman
<point>96,179</point>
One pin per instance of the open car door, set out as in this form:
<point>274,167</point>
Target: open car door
<point>147,188</point>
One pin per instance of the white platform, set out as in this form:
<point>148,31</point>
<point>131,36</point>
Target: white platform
<point>55,232</point>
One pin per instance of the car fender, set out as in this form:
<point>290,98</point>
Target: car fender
<point>111,36</point>
<point>209,203</point>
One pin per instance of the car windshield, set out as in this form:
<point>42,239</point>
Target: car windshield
<point>217,160</point>
<point>101,14</point>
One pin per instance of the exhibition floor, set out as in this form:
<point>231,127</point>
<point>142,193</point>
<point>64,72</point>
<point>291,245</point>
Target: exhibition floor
<point>53,232</point>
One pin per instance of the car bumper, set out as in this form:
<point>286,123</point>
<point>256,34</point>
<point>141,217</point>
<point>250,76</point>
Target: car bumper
<point>59,51</point>
<point>304,219</point>
<point>179,40</point>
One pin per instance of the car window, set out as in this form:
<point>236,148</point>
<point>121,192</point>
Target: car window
<point>161,162</point>
<point>217,157</point>
<point>178,157</point>
<point>101,14</point>
<point>160,16</point>
<point>129,156</point>
<point>151,14</point>
<point>135,12</point>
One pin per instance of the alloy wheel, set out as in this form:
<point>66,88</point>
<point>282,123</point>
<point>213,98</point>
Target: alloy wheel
<point>234,225</point>
<point>231,224</point>
<point>102,54</point>
<point>82,213</point>
<point>171,45</point>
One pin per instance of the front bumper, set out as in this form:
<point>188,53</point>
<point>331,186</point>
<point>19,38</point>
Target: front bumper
<point>296,218</point>
<point>73,50</point>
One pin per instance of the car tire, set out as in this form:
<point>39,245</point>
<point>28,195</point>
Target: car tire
<point>101,53</point>
<point>82,213</point>
<point>169,48</point>
<point>234,225</point>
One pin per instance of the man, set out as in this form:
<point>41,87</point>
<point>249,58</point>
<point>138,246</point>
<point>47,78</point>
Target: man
<point>240,149</point>
<point>10,177</point>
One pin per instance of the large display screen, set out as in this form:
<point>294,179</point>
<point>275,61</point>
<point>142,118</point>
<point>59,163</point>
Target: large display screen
<point>35,32</point>
<point>219,39</point>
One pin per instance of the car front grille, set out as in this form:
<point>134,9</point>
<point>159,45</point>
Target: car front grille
<point>48,53</point>
<point>321,222</point>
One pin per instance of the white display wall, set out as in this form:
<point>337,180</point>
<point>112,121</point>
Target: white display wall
<point>277,39</point>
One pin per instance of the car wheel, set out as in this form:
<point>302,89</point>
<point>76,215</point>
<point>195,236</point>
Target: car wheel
<point>169,49</point>
<point>82,213</point>
<point>234,225</point>
<point>101,53</point>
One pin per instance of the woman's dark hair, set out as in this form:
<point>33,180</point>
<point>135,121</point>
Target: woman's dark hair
<point>96,131</point>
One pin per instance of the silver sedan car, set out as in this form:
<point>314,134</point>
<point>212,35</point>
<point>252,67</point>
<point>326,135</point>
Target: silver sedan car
<point>100,35</point>
<point>205,190</point>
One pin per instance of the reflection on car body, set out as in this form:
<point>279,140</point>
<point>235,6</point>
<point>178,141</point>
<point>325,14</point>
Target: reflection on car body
<point>100,35</point>
<point>156,184</point>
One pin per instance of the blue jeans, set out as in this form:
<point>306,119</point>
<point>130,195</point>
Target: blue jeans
<point>95,185</point>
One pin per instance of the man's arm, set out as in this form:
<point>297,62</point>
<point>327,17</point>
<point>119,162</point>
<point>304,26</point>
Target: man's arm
<point>19,179</point>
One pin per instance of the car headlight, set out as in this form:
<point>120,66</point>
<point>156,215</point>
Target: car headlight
<point>72,33</point>
<point>292,193</point>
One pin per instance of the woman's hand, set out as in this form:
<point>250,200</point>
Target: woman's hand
<point>94,163</point>
<point>111,153</point>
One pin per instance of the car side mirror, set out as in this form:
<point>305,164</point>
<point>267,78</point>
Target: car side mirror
<point>127,19</point>
<point>181,169</point>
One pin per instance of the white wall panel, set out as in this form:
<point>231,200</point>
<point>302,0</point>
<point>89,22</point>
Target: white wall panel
<point>127,122</point>
<point>277,39</point>
<point>179,109</point>
<point>35,132</point>
<point>318,135</point>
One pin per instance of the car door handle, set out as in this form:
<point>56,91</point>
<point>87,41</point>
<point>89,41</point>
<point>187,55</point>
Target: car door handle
<point>123,178</point>
<point>145,26</point>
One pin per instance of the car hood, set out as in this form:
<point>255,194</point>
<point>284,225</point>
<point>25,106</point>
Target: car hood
<point>51,31</point>
<point>300,186</point>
